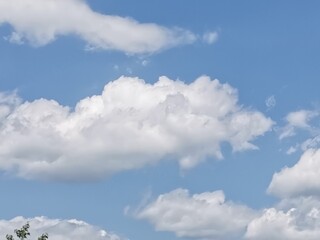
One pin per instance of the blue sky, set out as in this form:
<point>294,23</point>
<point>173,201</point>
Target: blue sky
<point>160,119</point>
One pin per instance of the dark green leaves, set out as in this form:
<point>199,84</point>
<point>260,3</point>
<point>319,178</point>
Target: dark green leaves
<point>23,233</point>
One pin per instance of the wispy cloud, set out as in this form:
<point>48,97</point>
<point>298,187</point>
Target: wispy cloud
<point>271,102</point>
<point>301,123</point>
<point>210,37</point>
<point>41,22</point>
<point>297,120</point>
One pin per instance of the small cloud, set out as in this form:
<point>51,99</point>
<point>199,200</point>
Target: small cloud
<point>210,37</point>
<point>287,131</point>
<point>291,150</point>
<point>144,63</point>
<point>116,67</point>
<point>126,210</point>
<point>271,102</point>
<point>298,120</point>
<point>15,38</point>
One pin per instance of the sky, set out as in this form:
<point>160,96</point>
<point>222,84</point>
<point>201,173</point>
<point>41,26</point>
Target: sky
<point>160,119</point>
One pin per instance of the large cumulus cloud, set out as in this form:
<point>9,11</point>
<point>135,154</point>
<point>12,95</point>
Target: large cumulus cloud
<point>130,125</point>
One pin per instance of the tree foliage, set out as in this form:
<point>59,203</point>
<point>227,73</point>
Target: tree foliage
<point>23,233</point>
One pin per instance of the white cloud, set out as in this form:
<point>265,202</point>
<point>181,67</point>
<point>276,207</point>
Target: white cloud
<point>291,150</point>
<point>15,38</point>
<point>271,102</point>
<point>210,37</point>
<point>130,125</point>
<point>8,101</point>
<point>287,131</point>
<point>299,119</point>
<point>301,179</point>
<point>209,216</point>
<point>144,63</point>
<point>40,22</point>
<point>313,142</point>
<point>301,221</point>
<point>57,229</point>
<point>202,216</point>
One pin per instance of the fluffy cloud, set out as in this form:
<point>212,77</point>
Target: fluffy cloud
<point>40,22</point>
<point>209,216</point>
<point>203,216</point>
<point>131,124</point>
<point>297,216</point>
<point>300,221</point>
<point>301,179</point>
<point>57,229</point>
<point>299,119</point>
